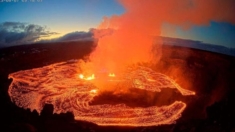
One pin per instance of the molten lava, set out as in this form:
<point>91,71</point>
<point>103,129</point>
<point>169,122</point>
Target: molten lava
<point>65,87</point>
<point>111,75</point>
<point>92,77</point>
<point>94,91</point>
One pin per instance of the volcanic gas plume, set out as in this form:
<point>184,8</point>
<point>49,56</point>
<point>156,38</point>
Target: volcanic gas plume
<point>129,38</point>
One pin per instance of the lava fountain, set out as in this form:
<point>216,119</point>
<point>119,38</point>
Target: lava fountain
<point>64,86</point>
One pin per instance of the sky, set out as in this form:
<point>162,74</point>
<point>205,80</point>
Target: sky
<point>62,16</point>
<point>56,18</point>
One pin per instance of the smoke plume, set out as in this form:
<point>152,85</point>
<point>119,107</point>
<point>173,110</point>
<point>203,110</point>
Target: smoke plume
<point>129,37</point>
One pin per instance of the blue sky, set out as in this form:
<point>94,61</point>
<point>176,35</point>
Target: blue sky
<point>66,16</point>
<point>60,15</point>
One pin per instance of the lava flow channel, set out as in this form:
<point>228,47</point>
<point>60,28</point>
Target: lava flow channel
<point>59,84</point>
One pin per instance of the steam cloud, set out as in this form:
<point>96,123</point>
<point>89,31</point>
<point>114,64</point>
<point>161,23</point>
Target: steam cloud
<point>131,39</point>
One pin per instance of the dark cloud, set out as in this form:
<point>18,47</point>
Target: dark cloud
<point>16,33</point>
<point>76,36</point>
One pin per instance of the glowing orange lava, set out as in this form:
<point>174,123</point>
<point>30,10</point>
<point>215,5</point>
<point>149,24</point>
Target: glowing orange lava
<point>67,89</point>
<point>111,75</point>
<point>92,77</point>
